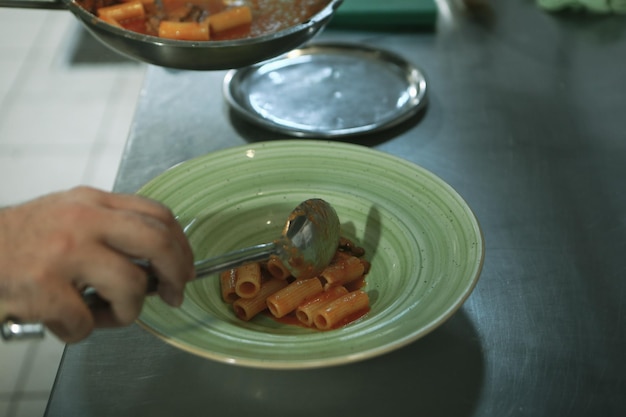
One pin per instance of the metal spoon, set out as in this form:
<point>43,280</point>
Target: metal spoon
<point>306,246</point>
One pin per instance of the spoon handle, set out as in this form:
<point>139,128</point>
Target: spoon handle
<point>204,268</point>
<point>234,259</point>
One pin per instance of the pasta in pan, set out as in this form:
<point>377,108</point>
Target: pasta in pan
<point>331,300</point>
<point>203,20</point>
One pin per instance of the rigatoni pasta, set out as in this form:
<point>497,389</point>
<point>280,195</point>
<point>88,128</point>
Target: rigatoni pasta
<point>228,280</point>
<point>332,299</point>
<point>185,31</point>
<point>289,298</point>
<point>306,311</point>
<point>248,280</point>
<point>247,308</point>
<point>276,268</point>
<point>340,309</point>
<point>123,11</point>
<point>343,270</point>
<point>230,18</point>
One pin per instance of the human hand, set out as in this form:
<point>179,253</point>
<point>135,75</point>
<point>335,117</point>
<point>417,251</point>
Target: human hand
<point>53,247</point>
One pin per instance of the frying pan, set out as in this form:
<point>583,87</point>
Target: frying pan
<point>190,55</point>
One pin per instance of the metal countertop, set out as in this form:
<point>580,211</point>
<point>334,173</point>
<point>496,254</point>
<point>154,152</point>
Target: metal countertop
<point>527,121</point>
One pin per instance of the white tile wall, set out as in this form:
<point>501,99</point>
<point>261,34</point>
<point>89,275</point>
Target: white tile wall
<point>61,124</point>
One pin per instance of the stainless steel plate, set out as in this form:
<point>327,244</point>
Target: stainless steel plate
<point>328,91</point>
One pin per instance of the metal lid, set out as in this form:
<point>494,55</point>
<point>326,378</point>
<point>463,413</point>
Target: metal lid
<point>328,91</point>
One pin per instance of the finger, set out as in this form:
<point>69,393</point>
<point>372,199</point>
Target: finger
<point>150,208</point>
<point>117,281</point>
<point>134,202</point>
<point>147,238</point>
<point>67,316</point>
<point>140,205</point>
<point>52,301</point>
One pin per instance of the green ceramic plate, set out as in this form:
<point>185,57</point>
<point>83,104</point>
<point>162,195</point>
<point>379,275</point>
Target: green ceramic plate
<point>423,241</point>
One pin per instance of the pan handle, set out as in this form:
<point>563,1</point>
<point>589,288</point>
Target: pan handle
<point>33,4</point>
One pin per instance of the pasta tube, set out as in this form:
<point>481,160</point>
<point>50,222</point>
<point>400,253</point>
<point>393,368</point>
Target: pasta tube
<point>247,308</point>
<point>248,280</point>
<point>277,269</point>
<point>111,21</point>
<point>341,309</point>
<point>230,18</point>
<point>306,311</point>
<point>331,300</point>
<point>188,31</point>
<point>289,298</point>
<point>122,11</point>
<point>343,271</point>
<point>228,280</point>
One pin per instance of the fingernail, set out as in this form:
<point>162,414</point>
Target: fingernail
<point>175,300</point>
<point>170,294</point>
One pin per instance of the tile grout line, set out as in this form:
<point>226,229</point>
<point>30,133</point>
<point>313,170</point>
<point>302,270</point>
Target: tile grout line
<point>27,366</point>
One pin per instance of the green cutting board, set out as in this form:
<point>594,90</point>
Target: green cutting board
<point>386,14</point>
